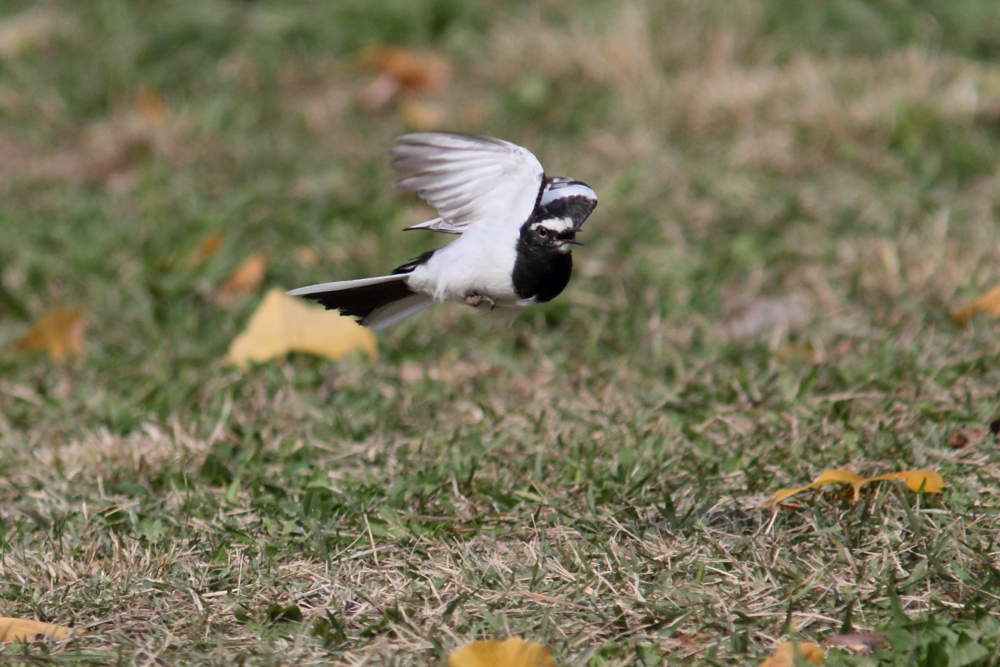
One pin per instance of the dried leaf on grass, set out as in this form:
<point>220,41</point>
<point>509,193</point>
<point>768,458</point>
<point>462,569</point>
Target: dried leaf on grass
<point>284,324</point>
<point>19,629</point>
<point>152,108</point>
<point>988,301</point>
<point>511,652</point>
<point>402,70</point>
<point>922,479</point>
<point>60,331</point>
<point>967,436</point>
<point>784,655</point>
<point>420,72</point>
<point>205,250</point>
<point>246,278</point>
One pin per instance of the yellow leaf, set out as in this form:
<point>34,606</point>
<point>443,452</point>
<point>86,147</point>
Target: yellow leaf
<point>246,278</point>
<point>205,249</point>
<point>784,655</point>
<point>285,324</point>
<point>151,107</point>
<point>828,477</point>
<point>930,480</point>
<point>60,331</point>
<point>988,301</point>
<point>511,652</point>
<point>841,475</point>
<point>14,629</point>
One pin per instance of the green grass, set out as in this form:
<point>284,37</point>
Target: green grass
<point>590,478</point>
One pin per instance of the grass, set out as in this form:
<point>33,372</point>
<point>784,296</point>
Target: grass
<point>793,198</point>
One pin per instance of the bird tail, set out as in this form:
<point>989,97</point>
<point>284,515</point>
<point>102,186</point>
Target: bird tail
<point>376,302</point>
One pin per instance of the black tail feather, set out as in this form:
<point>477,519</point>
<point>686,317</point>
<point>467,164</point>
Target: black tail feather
<point>361,301</point>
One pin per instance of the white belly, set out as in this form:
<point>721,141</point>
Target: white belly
<point>478,262</point>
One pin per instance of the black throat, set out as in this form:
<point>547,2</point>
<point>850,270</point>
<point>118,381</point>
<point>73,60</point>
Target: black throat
<point>540,271</point>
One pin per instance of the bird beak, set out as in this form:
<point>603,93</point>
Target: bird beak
<point>569,237</point>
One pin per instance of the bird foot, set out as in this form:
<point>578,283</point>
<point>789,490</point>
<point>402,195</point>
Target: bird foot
<point>476,300</point>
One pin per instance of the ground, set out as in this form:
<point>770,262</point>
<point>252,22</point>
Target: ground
<point>794,199</point>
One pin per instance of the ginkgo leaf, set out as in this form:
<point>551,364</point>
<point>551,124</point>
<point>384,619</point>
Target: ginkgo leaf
<point>784,655</point>
<point>19,629</point>
<point>988,301</point>
<point>60,331</point>
<point>246,278</point>
<point>285,324</point>
<point>828,477</point>
<point>922,479</point>
<point>927,480</point>
<point>511,652</point>
<point>205,250</point>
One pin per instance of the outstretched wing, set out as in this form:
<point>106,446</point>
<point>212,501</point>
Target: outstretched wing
<point>470,180</point>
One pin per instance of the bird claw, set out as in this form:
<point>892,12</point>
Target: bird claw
<point>476,300</point>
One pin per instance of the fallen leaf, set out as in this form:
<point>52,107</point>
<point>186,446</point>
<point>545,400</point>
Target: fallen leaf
<point>420,72</point>
<point>60,331</point>
<point>927,480</point>
<point>988,301</point>
<point>511,652</point>
<point>205,250</point>
<point>284,324</point>
<point>152,108</point>
<point>828,477</point>
<point>402,70</point>
<point>19,629</point>
<point>784,655</point>
<point>958,439</point>
<point>246,278</point>
<point>923,479</point>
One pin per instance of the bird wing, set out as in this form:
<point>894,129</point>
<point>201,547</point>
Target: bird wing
<point>470,180</point>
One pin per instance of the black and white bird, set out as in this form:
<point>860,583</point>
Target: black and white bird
<point>516,225</point>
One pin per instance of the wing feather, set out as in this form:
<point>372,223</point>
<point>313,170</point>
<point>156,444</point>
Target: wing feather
<point>470,180</point>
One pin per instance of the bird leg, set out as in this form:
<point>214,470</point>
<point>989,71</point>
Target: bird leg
<point>476,300</point>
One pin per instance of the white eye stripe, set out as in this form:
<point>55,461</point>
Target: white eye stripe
<point>554,225</point>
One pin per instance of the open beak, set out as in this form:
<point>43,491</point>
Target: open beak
<point>569,237</point>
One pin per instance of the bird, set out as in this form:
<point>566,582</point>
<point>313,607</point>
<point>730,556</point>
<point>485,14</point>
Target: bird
<point>516,228</point>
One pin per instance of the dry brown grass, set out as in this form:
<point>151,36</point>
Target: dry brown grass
<point>591,478</point>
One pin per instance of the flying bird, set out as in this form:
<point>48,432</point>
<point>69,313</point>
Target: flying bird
<point>516,228</point>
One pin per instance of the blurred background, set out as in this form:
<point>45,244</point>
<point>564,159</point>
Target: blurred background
<point>822,153</point>
<point>794,198</point>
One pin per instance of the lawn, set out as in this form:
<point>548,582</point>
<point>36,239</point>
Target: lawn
<point>795,198</point>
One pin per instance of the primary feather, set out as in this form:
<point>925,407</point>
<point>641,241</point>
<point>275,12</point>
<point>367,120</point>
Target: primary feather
<point>471,181</point>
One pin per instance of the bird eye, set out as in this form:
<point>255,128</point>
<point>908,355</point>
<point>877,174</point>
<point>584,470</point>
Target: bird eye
<point>543,232</point>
